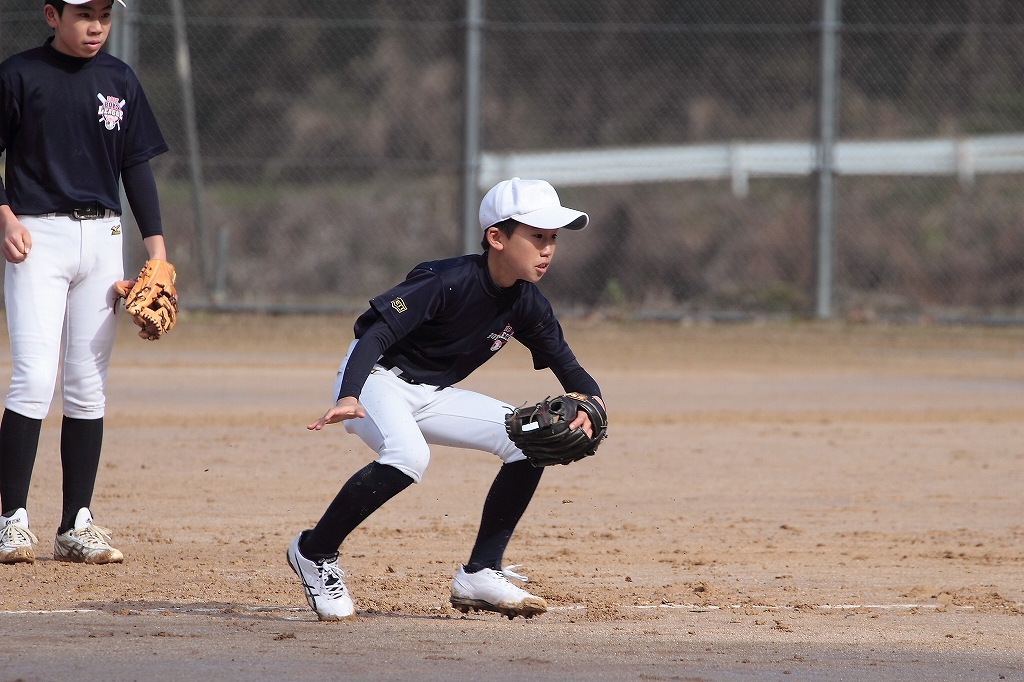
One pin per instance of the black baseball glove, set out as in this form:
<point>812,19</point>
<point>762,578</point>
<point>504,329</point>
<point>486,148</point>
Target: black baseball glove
<point>542,432</point>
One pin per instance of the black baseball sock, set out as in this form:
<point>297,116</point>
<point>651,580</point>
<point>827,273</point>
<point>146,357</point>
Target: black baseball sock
<point>506,502</point>
<point>19,440</point>
<point>363,494</point>
<point>80,443</point>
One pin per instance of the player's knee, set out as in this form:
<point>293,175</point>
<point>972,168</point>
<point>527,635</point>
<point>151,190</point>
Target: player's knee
<point>29,398</point>
<point>78,410</point>
<point>411,460</point>
<point>33,409</point>
<point>510,453</point>
<point>87,404</point>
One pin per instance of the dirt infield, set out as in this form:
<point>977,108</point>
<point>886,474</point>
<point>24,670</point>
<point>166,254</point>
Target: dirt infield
<point>829,493</point>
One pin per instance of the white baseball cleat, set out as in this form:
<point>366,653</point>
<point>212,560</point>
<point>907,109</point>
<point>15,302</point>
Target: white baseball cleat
<point>86,543</point>
<point>16,539</point>
<point>323,583</point>
<point>490,590</point>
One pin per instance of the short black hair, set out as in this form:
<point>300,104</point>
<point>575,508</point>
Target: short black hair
<point>507,226</point>
<point>57,5</point>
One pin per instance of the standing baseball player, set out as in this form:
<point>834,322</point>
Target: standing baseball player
<point>395,390</point>
<point>73,120</point>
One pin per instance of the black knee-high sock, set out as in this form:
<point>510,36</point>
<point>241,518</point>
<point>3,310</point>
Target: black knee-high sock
<point>80,443</point>
<point>506,502</point>
<point>363,494</point>
<point>19,440</point>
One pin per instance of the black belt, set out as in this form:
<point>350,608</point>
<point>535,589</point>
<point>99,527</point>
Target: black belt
<point>91,212</point>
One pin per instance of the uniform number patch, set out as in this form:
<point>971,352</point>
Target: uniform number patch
<point>399,305</point>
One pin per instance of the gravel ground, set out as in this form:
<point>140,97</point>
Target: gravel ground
<point>801,501</point>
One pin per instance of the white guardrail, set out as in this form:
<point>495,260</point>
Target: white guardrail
<point>740,161</point>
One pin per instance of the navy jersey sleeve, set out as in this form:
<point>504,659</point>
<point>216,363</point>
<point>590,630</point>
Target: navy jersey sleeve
<point>10,117</point>
<point>10,108</point>
<point>392,316</point>
<point>372,344</point>
<point>409,304</point>
<point>140,188</point>
<point>143,139</point>
<point>548,347</point>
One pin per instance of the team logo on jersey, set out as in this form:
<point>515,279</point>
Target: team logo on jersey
<point>399,305</point>
<point>501,339</point>
<point>115,230</point>
<point>111,111</point>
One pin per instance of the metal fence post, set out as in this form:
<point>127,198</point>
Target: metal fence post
<point>184,68</point>
<point>827,129</point>
<point>220,270</point>
<point>471,127</point>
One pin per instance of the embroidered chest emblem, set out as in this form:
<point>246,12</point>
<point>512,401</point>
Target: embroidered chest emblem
<point>115,230</point>
<point>111,111</point>
<point>501,339</point>
<point>399,305</point>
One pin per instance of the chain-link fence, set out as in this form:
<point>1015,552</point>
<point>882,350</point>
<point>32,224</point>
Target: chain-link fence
<point>331,135</point>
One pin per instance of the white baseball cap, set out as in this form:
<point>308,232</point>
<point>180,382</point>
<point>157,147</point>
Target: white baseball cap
<point>82,2</point>
<point>531,202</point>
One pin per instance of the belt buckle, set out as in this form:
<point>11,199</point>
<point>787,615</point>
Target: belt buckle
<point>87,213</point>
<point>403,376</point>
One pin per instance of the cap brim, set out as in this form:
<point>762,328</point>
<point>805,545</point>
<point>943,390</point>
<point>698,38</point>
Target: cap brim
<point>554,218</point>
<point>82,2</point>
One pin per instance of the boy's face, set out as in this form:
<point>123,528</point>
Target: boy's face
<point>525,255</point>
<point>82,29</point>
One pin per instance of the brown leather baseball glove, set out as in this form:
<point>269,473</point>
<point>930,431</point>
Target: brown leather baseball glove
<point>151,298</point>
<point>542,432</point>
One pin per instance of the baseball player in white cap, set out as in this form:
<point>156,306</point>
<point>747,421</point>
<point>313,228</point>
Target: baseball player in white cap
<point>395,389</point>
<point>73,121</point>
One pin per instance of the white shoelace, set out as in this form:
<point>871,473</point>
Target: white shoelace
<point>331,578</point>
<point>93,536</point>
<point>509,573</point>
<point>16,536</point>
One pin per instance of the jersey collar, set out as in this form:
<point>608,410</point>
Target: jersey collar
<point>489,286</point>
<point>65,60</point>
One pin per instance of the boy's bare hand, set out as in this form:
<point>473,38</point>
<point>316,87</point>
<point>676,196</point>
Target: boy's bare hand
<point>582,420</point>
<point>17,242</point>
<point>347,408</point>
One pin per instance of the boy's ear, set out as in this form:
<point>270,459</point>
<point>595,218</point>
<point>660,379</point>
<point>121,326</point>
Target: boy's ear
<point>51,15</point>
<point>493,236</point>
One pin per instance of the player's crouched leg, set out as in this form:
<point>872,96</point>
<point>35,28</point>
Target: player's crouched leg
<point>323,583</point>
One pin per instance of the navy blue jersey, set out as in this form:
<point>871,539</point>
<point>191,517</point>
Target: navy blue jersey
<point>448,318</point>
<point>69,125</point>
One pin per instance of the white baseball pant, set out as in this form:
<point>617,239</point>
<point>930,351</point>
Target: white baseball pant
<point>402,419</point>
<point>62,296</point>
